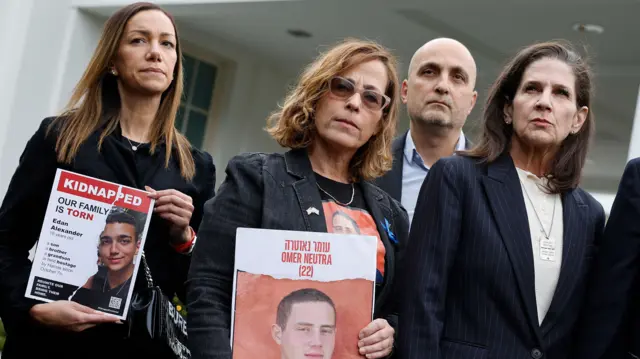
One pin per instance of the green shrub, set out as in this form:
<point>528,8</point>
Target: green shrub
<point>3,336</point>
<point>181,308</point>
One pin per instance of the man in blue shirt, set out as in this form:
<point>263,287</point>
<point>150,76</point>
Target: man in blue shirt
<point>439,93</point>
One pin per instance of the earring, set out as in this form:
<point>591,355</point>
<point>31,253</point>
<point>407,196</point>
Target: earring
<point>507,121</point>
<point>114,72</point>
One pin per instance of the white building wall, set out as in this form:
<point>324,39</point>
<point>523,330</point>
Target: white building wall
<point>52,42</point>
<point>81,36</point>
<point>34,29</point>
<point>14,20</point>
<point>61,41</point>
<point>247,90</point>
<point>634,145</point>
<point>98,3</point>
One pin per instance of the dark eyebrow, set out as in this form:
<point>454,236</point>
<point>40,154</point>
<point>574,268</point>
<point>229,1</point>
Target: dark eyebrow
<point>562,87</point>
<point>366,87</point>
<point>371,87</point>
<point>531,82</point>
<point>436,66</point>
<point>461,71</point>
<point>311,325</point>
<point>431,65</point>
<point>556,86</point>
<point>148,33</point>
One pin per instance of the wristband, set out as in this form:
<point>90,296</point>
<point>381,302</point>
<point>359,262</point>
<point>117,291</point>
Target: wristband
<point>186,246</point>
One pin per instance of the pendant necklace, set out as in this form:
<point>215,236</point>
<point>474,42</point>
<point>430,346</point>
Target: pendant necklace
<point>104,284</point>
<point>133,147</point>
<point>353,192</point>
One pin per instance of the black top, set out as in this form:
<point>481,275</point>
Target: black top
<point>101,296</point>
<point>347,212</point>
<point>22,213</point>
<point>609,325</point>
<point>340,192</point>
<point>141,155</point>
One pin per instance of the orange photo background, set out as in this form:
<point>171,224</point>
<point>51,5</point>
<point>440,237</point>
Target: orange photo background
<point>257,300</point>
<point>365,223</point>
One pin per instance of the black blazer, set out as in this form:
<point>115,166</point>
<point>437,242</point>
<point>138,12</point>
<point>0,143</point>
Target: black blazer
<point>391,182</point>
<point>468,272</point>
<point>267,191</point>
<point>610,321</point>
<point>23,211</point>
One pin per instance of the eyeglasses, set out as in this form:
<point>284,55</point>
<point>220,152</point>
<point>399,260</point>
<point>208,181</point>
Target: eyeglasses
<point>344,89</point>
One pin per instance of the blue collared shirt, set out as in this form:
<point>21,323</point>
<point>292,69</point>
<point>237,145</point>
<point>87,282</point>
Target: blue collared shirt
<point>414,172</point>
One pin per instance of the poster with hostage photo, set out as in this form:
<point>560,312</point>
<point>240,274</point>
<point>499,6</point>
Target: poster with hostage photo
<point>301,294</point>
<point>119,247</point>
<point>90,244</point>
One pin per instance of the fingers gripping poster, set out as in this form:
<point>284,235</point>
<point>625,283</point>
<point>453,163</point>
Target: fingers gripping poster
<point>301,294</point>
<point>90,244</point>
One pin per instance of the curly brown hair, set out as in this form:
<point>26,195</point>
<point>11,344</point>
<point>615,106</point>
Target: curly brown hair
<point>293,124</point>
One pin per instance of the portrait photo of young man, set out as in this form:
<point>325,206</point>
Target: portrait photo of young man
<point>305,325</point>
<point>118,247</point>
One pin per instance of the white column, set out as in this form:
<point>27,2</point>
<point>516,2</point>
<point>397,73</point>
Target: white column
<point>14,22</point>
<point>34,31</point>
<point>634,141</point>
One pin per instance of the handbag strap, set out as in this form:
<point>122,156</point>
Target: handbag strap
<point>147,272</point>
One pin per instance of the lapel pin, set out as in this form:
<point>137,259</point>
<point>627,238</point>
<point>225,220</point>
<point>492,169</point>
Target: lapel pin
<point>387,227</point>
<point>313,210</point>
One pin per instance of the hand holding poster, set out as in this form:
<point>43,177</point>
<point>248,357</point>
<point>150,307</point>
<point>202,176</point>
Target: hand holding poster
<point>89,245</point>
<point>301,294</point>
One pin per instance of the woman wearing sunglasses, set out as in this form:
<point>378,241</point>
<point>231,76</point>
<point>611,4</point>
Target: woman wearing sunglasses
<point>339,122</point>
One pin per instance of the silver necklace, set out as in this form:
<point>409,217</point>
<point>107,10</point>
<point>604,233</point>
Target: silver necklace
<point>353,192</point>
<point>553,215</point>
<point>104,284</point>
<point>134,148</point>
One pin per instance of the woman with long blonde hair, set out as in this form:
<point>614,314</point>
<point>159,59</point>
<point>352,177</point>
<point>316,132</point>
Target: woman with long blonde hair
<point>339,123</point>
<point>119,127</point>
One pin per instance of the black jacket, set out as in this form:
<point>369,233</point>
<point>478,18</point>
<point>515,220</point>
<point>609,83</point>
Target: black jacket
<point>269,191</point>
<point>468,275</point>
<point>610,321</point>
<point>21,217</point>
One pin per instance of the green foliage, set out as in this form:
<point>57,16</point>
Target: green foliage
<point>182,309</point>
<point>3,335</point>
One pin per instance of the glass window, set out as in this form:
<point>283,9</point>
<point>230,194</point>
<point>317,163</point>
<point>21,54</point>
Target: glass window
<point>203,88</point>
<point>179,118</point>
<point>192,116</point>
<point>196,127</point>
<point>188,64</point>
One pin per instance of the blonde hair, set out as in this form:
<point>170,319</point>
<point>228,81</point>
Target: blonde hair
<point>96,100</point>
<point>293,125</point>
